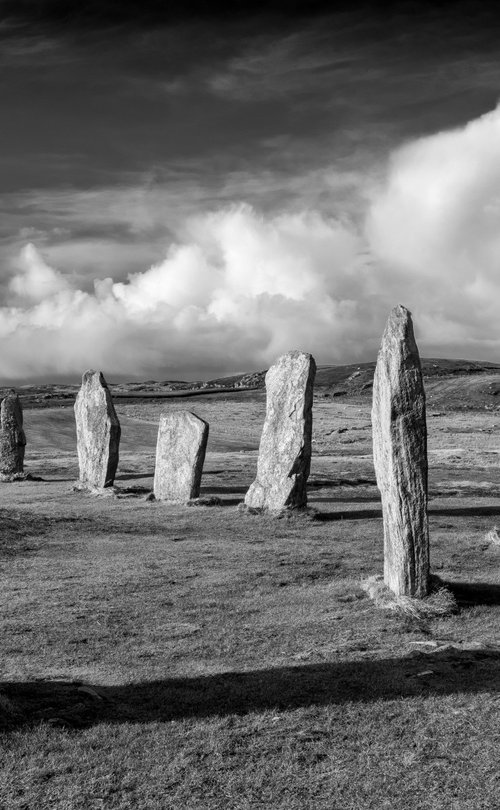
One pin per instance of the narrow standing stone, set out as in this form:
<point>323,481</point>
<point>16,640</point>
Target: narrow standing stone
<point>12,438</point>
<point>97,432</point>
<point>285,446</point>
<point>180,453</point>
<point>400,457</point>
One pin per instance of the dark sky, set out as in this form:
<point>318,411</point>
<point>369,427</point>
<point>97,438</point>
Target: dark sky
<point>127,127</point>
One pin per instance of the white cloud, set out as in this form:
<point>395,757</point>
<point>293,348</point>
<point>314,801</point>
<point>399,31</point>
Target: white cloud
<point>244,289</point>
<point>435,226</point>
<point>35,280</point>
<point>240,287</point>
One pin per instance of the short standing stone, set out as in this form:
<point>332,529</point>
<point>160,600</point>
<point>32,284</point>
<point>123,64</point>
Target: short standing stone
<point>12,438</point>
<point>97,432</point>
<point>180,453</point>
<point>285,446</point>
<point>400,457</point>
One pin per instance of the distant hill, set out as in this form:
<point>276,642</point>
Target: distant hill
<point>449,385</point>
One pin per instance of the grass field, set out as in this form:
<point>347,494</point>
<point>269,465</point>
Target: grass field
<point>199,657</point>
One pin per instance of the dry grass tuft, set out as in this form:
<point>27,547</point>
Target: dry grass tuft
<point>289,514</point>
<point>98,492</point>
<point>492,537</point>
<point>211,500</point>
<point>7,478</point>
<point>441,602</point>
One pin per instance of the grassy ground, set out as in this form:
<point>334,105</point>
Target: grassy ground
<point>194,657</point>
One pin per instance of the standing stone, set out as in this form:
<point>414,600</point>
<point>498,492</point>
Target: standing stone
<point>12,438</point>
<point>400,457</point>
<point>97,432</point>
<point>180,453</point>
<point>285,446</point>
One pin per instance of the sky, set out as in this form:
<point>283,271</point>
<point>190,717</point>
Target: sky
<point>187,193</point>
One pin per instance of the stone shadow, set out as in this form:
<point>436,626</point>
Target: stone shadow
<point>468,594</point>
<point>77,705</point>
<point>220,490</point>
<point>133,476</point>
<point>341,499</point>
<point>443,511</point>
<point>351,514</point>
<point>465,511</point>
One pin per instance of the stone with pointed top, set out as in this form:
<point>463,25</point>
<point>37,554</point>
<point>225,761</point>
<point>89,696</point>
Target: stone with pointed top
<point>400,457</point>
<point>180,454</point>
<point>285,447</point>
<point>98,432</point>
<point>12,437</point>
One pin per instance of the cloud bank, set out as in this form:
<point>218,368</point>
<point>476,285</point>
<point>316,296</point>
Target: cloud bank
<point>242,287</point>
<point>435,225</point>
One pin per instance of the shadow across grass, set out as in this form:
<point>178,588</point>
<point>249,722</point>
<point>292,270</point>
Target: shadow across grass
<point>474,593</point>
<point>75,705</point>
<point>370,514</point>
<point>342,499</point>
<point>69,479</point>
<point>351,514</point>
<point>219,490</point>
<point>465,511</point>
<point>133,476</point>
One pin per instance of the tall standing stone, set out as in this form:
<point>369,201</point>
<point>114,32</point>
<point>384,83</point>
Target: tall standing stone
<point>285,446</point>
<point>400,457</point>
<point>97,432</point>
<point>180,453</point>
<point>12,438</point>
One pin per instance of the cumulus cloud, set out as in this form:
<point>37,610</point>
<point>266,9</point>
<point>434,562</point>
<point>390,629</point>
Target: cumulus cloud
<point>435,229</point>
<point>35,280</point>
<point>242,290</point>
<point>241,287</point>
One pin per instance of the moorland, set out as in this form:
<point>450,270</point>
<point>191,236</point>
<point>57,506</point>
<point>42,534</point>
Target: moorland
<point>159,656</point>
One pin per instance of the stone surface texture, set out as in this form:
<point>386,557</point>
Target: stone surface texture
<point>180,454</point>
<point>12,438</point>
<point>400,457</point>
<point>97,431</point>
<point>285,446</point>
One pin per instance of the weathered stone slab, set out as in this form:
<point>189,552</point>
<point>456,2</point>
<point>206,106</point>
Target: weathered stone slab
<point>12,437</point>
<point>180,453</point>
<point>285,446</point>
<point>400,457</point>
<point>97,431</point>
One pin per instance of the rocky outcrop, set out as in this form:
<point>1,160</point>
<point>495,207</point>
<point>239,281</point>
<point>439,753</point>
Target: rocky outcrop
<point>285,446</point>
<point>180,454</point>
<point>12,437</point>
<point>254,379</point>
<point>400,457</point>
<point>97,431</point>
